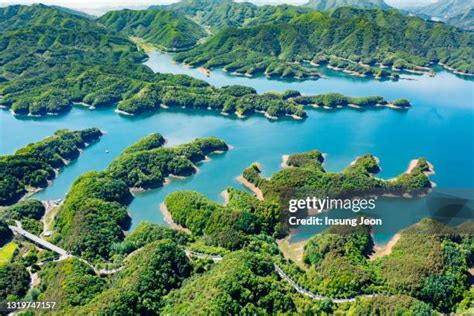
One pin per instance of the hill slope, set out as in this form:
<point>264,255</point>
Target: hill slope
<point>334,4</point>
<point>218,15</point>
<point>167,29</point>
<point>368,36</point>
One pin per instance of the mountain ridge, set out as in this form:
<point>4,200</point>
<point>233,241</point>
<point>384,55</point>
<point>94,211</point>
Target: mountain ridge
<point>325,5</point>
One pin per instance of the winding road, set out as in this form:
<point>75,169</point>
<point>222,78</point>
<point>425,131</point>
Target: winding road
<point>216,258</point>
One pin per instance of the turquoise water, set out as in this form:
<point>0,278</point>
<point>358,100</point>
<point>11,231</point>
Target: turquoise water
<point>440,127</point>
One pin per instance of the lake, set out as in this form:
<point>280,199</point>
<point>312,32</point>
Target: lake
<point>440,127</point>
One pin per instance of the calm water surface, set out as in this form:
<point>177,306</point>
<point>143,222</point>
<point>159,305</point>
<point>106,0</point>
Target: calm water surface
<point>440,127</point>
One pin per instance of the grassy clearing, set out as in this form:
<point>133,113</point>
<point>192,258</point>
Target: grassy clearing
<point>6,253</point>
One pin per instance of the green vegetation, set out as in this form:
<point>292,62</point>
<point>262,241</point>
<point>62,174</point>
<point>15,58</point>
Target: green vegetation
<point>338,257</point>
<point>223,226</point>
<point>146,233</point>
<point>34,165</point>
<point>69,283</point>
<point>105,70</point>
<point>51,59</point>
<point>166,29</point>
<point>28,213</point>
<point>368,37</point>
<point>333,100</point>
<point>147,276</point>
<point>429,262</point>
<point>14,281</point>
<point>241,100</point>
<point>217,15</point>
<point>391,305</point>
<point>358,68</point>
<point>6,253</point>
<point>5,233</point>
<point>243,283</point>
<point>148,168</point>
<point>93,217</point>
<point>305,173</point>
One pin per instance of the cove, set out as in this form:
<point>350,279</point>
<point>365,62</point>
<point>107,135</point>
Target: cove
<point>440,127</point>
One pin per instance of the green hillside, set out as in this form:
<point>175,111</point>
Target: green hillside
<point>324,5</point>
<point>365,38</point>
<point>221,14</point>
<point>167,29</point>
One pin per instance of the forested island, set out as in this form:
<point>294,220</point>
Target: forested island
<point>305,172</point>
<point>34,166</point>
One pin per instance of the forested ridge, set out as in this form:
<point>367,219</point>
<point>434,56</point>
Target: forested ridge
<point>31,167</point>
<point>380,38</point>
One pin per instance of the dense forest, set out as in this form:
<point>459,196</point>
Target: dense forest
<point>426,272</point>
<point>166,29</point>
<point>31,167</point>
<point>381,38</point>
<point>305,174</point>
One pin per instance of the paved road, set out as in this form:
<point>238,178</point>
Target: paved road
<point>37,240</point>
<point>200,255</point>
<point>63,253</point>
<point>303,291</point>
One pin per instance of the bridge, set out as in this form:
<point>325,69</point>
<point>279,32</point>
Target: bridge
<point>63,253</point>
<point>37,240</point>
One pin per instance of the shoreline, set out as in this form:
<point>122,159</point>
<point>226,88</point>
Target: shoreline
<point>225,195</point>
<point>382,251</point>
<point>123,112</point>
<point>204,71</point>
<point>169,219</point>
<point>284,161</point>
<point>256,191</point>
